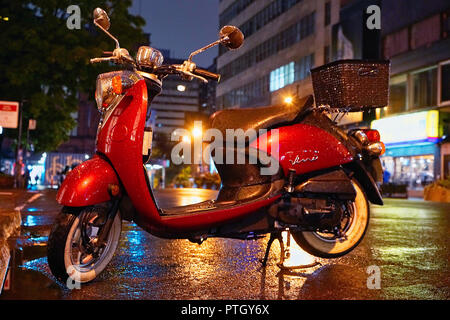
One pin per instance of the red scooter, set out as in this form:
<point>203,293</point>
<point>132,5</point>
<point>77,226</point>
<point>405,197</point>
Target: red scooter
<point>320,192</point>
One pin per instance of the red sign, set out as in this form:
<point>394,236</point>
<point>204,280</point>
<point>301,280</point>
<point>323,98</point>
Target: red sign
<point>9,114</point>
<point>31,124</point>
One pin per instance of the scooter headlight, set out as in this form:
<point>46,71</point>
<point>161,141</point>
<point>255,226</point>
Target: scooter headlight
<point>112,85</point>
<point>149,57</point>
<point>104,90</point>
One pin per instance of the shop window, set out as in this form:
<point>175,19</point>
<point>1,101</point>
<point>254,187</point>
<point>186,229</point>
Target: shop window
<point>425,88</point>
<point>447,166</point>
<point>415,172</point>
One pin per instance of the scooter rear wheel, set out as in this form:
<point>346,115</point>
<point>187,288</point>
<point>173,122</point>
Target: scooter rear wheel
<point>330,246</point>
<point>70,245</point>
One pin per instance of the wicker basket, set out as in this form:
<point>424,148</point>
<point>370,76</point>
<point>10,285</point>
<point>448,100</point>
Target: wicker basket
<point>352,85</point>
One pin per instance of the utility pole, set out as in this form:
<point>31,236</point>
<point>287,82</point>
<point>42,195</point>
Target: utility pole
<point>19,145</point>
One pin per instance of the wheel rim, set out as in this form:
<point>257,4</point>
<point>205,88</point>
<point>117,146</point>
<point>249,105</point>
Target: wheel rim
<point>331,244</point>
<point>347,226</point>
<point>83,264</point>
<point>80,256</point>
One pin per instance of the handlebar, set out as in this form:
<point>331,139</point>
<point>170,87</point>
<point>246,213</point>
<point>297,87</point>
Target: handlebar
<point>207,74</point>
<point>188,69</point>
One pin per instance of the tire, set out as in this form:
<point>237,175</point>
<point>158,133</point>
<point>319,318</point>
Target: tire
<point>317,245</point>
<point>60,248</point>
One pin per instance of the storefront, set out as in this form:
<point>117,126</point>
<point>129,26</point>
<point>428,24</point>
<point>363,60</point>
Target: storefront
<point>412,155</point>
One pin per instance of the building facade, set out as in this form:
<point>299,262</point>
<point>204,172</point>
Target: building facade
<point>414,36</point>
<point>169,108</point>
<point>284,39</point>
<point>417,41</point>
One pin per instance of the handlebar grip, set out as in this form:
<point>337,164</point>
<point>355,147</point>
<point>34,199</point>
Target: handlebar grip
<point>207,74</point>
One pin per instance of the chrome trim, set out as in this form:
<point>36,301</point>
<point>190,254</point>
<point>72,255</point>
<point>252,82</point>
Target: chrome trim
<point>375,148</point>
<point>150,76</point>
<point>149,57</point>
<point>361,136</point>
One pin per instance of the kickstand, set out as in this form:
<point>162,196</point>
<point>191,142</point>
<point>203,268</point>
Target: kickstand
<point>273,237</point>
<point>284,252</point>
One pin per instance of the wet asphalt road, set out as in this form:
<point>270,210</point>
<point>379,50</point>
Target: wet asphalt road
<point>407,240</point>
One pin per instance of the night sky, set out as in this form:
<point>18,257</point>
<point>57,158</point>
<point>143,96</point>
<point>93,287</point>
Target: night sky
<point>181,26</point>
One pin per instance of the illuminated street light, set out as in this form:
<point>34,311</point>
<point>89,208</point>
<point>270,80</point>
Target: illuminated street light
<point>197,132</point>
<point>288,100</point>
<point>181,88</point>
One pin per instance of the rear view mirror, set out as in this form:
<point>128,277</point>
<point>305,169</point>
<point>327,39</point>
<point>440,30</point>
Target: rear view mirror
<point>101,18</point>
<point>231,37</point>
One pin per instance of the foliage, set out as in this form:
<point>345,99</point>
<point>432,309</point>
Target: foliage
<point>46,65</point>
<point>183,177</point>
<point>209,180</point>
<point>444,183</point>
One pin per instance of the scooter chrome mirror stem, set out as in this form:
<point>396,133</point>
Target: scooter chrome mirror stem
<point>215,43</point>
<point>109,34</point>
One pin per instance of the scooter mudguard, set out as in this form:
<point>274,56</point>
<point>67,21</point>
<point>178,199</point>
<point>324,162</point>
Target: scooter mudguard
<point>87,184</point>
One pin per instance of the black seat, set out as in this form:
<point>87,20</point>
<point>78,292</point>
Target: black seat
<point>260,117</point>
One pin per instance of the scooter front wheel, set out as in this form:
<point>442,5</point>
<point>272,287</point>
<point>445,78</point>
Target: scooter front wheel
<point>72,249</point>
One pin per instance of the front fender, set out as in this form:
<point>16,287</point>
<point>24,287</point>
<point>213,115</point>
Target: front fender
<point>87,184</point>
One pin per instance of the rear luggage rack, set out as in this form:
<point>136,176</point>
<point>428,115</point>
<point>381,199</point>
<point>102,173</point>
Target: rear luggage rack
<point>352,85</point>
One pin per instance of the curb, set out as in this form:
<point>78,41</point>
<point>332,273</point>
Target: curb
<point>9,223</point>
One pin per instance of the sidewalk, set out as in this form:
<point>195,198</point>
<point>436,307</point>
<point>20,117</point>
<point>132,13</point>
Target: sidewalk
<point>11,203</point>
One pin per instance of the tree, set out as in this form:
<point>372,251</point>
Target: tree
<point>46,64</point>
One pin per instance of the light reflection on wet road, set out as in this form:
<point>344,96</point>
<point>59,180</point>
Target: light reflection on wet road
<point>407,240</point>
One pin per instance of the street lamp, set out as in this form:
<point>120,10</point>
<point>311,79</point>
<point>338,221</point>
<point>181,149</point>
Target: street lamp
<point>196,132</point>
<point>288,100</point>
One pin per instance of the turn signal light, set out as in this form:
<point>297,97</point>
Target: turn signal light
<point>116,84</point>
<point>372,135</point>
<point>376,148</point>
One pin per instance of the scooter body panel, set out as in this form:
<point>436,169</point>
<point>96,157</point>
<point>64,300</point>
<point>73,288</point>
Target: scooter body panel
<point>87,184</point>
<point>304,148</point>
<point>121,139</point>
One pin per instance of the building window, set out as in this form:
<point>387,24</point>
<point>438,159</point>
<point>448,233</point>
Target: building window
<point>233,10</point>
<point>289,36</point>
<point>397,95</point>
<point>425,88</point>
<point>303,66</point>
<point>282,76</point>
<point>396,43</point>
<point>326,54</point>
<point>445,84</point>
<point>426,32</point>
<point>327,13</point>
<point>293,71</point>
<point>266,15</point>
<point>253,92</point>
<point>74,131</point>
